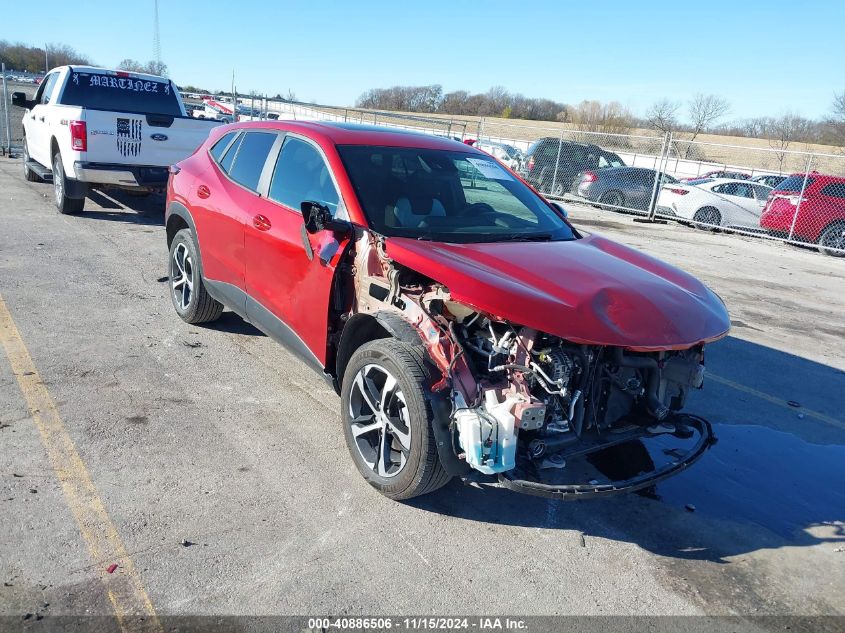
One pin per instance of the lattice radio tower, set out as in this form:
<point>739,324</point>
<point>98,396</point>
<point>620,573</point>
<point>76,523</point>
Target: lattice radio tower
<point>156,37</point>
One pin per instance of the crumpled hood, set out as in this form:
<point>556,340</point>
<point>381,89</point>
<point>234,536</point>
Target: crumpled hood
<point>592,290</point>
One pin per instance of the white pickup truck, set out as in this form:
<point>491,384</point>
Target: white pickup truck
<point>95,127</point>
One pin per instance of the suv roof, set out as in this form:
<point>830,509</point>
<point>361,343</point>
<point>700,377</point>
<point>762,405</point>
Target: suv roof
<point>357,134</point>
<point>554,139</point>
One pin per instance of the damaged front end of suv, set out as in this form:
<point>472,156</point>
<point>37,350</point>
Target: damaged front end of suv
<point>561,369</point>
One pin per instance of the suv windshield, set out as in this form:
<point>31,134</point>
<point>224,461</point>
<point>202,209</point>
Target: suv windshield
<point>447,196</point>
<point>104,91</point>
<point>794,183</point>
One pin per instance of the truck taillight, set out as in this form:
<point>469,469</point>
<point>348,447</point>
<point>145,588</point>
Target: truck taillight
<point>588,176</point>
<point>78,136</point>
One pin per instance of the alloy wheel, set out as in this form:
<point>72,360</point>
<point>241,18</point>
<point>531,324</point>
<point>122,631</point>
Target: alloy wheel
<point>182,276</point>
<point>379,422</point>
<point>834,239</point>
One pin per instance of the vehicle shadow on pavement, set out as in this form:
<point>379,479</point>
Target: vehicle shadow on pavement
<point>231,323</point>
<point>120,206</point>
<point>774,479</point>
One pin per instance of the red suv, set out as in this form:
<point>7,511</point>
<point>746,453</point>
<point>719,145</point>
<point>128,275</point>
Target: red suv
<point>821,214</point>
<point>469,329</point>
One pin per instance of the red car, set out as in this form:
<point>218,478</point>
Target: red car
<point>468,327</point>
<point>821,214</point>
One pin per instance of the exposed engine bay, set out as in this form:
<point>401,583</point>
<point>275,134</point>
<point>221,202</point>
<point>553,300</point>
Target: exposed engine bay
<point>538,394</point>
<point>521,402</point>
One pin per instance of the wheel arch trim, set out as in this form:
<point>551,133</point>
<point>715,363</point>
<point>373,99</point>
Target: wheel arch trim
<point>179,210</point>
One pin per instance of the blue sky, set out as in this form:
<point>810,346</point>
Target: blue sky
<point>765,58</point>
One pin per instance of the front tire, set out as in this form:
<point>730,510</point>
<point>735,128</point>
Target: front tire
<point>65,205</point>
<point>191,300</point>
<point>387,419</point>
<point>613,200</point>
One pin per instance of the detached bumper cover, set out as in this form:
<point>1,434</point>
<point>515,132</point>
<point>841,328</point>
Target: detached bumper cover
<point>152,176</point>
<point>568,492</point>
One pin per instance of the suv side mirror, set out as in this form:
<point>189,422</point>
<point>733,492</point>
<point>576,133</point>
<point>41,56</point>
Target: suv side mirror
<point>19,99</point>
<point>559,208</point>
<point>318,218</point>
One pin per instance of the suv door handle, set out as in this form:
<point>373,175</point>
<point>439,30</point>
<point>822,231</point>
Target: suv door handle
<point>41,119</point>
<point>261,222</point>
<point>203,192</point>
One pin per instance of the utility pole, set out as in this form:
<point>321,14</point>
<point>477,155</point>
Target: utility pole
<point>46,61</point>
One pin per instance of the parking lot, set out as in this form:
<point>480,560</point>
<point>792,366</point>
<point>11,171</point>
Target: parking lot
<point>212,468</point>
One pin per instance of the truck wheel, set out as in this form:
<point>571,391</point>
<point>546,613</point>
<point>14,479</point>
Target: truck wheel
<point>187,290</point>
<point>28,174</point>
<point>65,205</point>
<point>387,419</point>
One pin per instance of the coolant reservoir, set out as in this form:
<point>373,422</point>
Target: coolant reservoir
<point>487,434</point>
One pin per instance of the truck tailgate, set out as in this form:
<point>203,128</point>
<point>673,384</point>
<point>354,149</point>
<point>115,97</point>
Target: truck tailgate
<point>127,138</point>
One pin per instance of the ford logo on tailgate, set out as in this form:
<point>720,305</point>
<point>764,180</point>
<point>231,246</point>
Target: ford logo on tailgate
<point>158,137</point>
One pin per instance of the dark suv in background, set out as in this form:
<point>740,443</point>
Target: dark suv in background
<point>551,165</point>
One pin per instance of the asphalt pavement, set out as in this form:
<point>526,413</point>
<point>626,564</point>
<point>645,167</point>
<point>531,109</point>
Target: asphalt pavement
<point>209,465</point>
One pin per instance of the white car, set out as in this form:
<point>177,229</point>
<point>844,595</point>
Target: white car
<point>507,154</point>
<point>717,201</point>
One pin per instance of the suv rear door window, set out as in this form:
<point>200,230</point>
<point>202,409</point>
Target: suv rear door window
<point>251,157</point>
<point>106,91</point>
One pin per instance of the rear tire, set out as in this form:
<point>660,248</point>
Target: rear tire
<point>191,300</point>
<point>833,237</point>
<point>707,218</point>
<point>613,200</point>
<point>28,174</point>
<point>394,377</point>
<point>65,205</point>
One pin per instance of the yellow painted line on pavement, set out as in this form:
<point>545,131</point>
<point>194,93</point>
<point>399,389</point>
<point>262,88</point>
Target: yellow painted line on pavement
<point>124,588</point>
<point>777,401</point>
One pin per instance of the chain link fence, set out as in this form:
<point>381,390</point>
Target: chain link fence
<point>11,117</point>
<point>776,193</point>
<point>769,192</point>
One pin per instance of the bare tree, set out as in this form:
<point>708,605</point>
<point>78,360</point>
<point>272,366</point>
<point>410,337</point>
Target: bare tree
<point>151,67</point>
<point>663,115</point>
<point>704,111</point>
<point>784,131</point>
<point>594,116</point>
<point>836,123</point>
